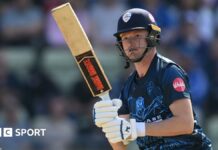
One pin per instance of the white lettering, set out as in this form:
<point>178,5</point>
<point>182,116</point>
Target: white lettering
<point>43,132</point>
<point>148,121</point>
<point>154,119</point>
<point>7,132</point>
<point>37,132</point>
<point>17,132</point>
<point>178,84</point>
<point>23,131</point>
<point>30,132</point>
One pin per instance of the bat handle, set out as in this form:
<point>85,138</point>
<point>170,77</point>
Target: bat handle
<point>105,96</point>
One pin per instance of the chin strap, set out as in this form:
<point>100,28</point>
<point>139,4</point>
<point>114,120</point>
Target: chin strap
<point>127,64</point>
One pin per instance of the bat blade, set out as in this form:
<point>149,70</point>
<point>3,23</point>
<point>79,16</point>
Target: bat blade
<point>81,49</point>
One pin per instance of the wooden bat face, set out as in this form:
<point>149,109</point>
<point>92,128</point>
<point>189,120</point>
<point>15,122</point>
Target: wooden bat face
<point>81,49</point>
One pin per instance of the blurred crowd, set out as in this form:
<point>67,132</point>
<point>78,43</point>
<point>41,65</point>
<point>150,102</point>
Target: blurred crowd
<point>189,37</point>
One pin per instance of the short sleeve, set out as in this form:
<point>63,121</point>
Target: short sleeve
<point>175,84</point>
<point>124,109</point>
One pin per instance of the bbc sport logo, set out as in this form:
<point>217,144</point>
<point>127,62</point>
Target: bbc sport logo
<point>10,132</point>
<point>7,132</point>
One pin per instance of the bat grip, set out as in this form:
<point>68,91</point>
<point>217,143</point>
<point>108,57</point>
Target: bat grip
<point>105,96</point>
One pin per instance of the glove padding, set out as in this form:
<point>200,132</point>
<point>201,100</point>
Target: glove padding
<point>120,130</point>
<point>105,111</point>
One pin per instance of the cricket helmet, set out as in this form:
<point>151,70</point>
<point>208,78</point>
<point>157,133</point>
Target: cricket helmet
<point>138,19</point>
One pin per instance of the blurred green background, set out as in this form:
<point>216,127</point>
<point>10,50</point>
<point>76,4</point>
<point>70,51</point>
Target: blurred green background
<point>41,86</point>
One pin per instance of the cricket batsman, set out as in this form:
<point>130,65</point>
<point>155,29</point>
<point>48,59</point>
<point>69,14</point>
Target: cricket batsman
<point>154,107</point>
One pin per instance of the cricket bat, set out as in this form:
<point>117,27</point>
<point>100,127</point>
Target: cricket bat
<point>82,50</point>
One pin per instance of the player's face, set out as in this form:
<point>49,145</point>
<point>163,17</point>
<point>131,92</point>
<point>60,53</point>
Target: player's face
<point>134,43</point>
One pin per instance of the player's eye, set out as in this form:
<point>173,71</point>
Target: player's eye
<point>138,36</point>
<point>125,38</point>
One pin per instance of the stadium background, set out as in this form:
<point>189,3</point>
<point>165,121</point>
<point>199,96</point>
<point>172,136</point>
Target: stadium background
<point>40,86</point>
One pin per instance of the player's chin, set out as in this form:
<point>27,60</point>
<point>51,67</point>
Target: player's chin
<point>134,59</point>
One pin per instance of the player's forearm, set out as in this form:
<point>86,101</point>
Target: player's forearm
<point>170,127</point>
<point>118,146</point>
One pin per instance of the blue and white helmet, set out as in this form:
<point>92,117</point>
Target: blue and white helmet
<point>138,19</point>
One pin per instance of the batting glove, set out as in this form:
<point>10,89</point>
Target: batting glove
<point>121,130</point>
<point>105,111</point>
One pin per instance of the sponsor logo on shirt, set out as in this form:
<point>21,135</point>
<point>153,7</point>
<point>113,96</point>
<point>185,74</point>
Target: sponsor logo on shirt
<point>179,85</point>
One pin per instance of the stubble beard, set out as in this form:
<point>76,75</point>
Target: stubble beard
<point>135,55</point>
